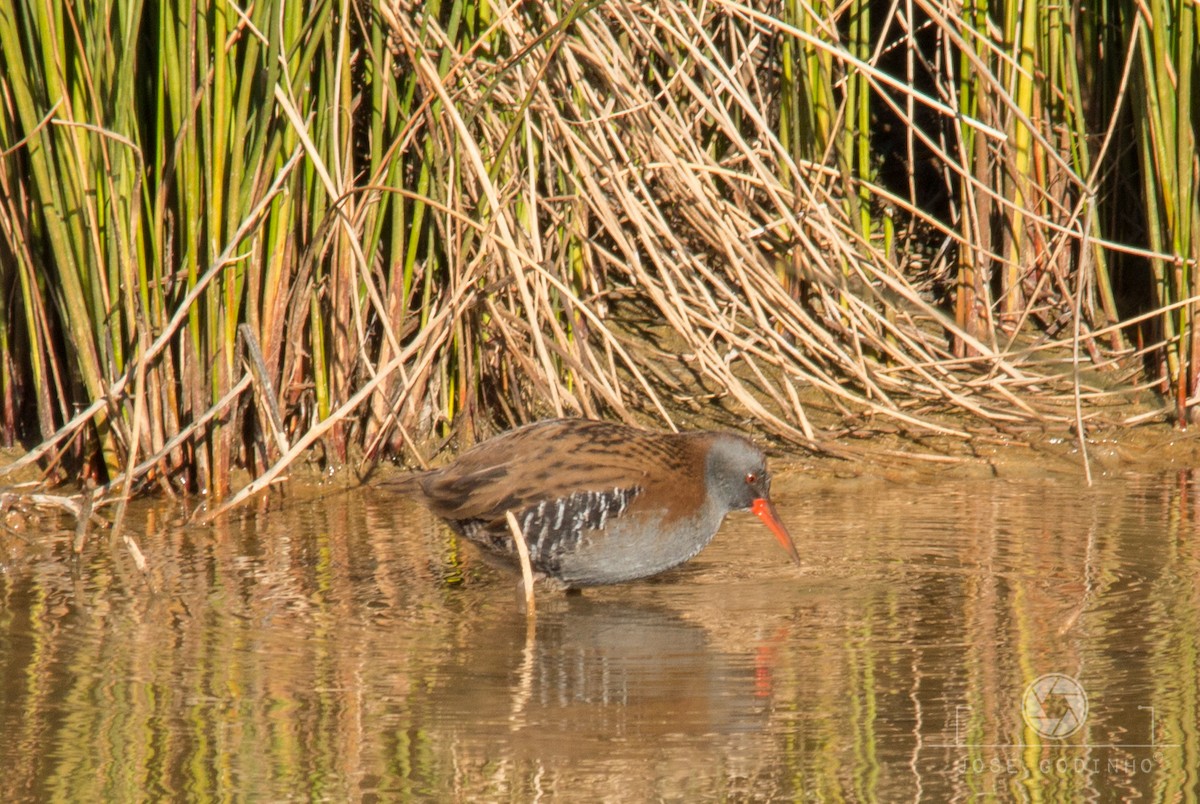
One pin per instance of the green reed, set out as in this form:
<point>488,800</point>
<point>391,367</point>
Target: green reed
<point>1166,120</point>
<point>142,143</point>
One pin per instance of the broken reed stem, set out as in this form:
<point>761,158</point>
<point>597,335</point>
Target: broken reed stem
<point>435,325</point>
<point>135,433</point>
<point>188,432</point>
<point>135,552</point>
<point>83,519</point>
<point>308,439</point>
<point>264,387</point>
<point>526,567</point>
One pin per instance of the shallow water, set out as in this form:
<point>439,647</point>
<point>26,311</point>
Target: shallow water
<point>348,648</point>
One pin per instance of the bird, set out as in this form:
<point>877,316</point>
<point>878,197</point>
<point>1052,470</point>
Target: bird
<point>598,502</point>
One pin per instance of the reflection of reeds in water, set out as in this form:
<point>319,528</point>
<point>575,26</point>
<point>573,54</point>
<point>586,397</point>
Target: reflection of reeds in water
<point>350,230</point>
<point>326,644</point>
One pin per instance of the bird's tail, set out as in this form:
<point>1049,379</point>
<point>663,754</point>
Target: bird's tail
<point>407,485</point>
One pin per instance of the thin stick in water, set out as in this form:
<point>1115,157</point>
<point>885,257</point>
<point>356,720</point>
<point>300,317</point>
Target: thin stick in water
<point>526,567</point>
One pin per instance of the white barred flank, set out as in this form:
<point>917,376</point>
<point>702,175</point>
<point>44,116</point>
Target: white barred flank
<point>559,524</point>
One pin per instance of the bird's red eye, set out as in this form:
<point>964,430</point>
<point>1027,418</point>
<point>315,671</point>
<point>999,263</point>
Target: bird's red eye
<point>751,478</point>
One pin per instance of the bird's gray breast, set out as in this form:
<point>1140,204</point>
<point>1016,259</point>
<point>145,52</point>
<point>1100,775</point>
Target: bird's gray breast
<point>637,547</point>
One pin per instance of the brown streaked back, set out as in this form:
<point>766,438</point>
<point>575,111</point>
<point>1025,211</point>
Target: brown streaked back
<point>548,460</point>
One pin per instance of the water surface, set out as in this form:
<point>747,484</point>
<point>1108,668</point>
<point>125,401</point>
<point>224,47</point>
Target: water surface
<point>348,648</point>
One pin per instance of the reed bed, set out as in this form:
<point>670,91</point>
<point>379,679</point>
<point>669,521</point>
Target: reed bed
<point>235,237</point>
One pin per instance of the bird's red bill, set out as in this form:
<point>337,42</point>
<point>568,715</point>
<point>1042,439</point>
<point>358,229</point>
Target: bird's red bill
<point>764,509</point>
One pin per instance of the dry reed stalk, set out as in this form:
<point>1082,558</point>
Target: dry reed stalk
<point>438,329</point>
<point>679,221</point>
